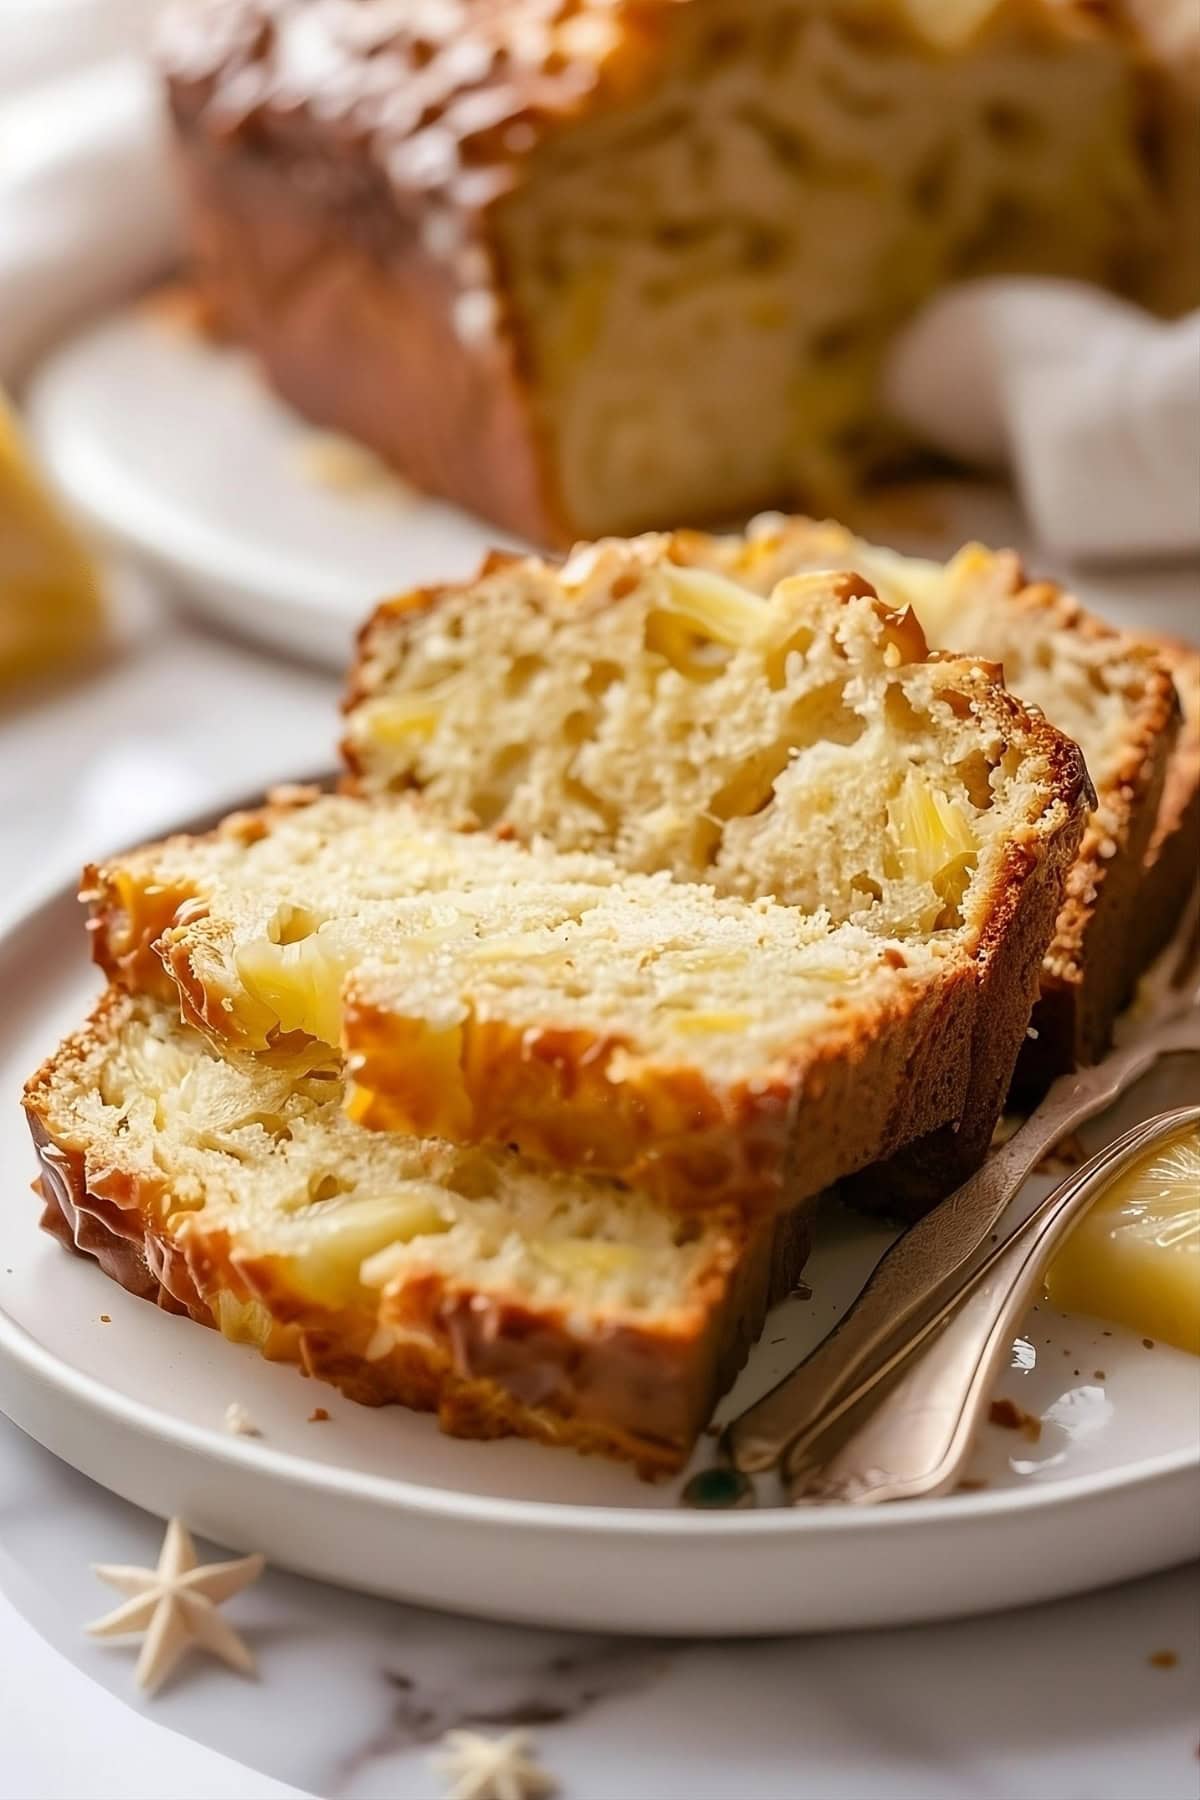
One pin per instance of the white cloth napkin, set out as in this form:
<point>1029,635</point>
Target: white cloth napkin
<point>86,208</point>
<point>1091,403</point>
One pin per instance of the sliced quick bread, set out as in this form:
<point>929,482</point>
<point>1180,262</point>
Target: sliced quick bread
<point>1111,692</point>
<point>809,747</point>
<point>713,1050</point>
<point>457,1281</point>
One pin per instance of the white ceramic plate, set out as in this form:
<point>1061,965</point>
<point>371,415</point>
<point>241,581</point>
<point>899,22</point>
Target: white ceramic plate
<point>176,450</point>
<point>380,1500</point>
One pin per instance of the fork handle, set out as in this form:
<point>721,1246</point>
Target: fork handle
<point>915,1441</point>
<point>920,1267</point>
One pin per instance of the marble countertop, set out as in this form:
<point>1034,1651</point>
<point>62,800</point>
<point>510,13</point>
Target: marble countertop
<point>1059,1701</point>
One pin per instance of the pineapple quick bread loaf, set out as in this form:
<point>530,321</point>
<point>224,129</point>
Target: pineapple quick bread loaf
<point>467,1282</point>
<point>632,1002</point>
<point>586,266</point>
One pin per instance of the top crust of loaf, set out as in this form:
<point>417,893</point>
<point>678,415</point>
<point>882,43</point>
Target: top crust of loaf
<point>485,84</point>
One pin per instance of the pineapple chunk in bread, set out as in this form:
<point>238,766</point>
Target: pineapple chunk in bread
<point>560,1307</point>
<point>1112,693</point>
<point>695,1044</point>
<point>802,745</point>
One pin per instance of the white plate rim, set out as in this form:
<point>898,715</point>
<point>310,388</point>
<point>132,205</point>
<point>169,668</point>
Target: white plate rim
<point>540,1516</point>
<point>536,1516</point>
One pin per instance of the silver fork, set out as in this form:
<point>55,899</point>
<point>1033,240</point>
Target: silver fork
<point>915,1440</point>
<point>925,1267</point>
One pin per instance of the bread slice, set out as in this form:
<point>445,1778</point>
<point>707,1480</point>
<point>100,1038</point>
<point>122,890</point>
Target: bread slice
<point>1172,864</point>
<point>458,1281</point>
<point>591,267</point>
<point>1111,692</point>
<point>712,1050</point>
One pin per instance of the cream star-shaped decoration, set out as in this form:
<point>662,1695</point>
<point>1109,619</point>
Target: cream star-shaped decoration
<point>483,1768</point>
<point>175,1606</point>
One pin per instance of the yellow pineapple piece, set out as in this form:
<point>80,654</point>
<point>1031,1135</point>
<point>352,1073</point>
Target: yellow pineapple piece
<point>932,833</point>
<point>298,984</point>
<point>242,1321</point>
<point>393,722</point>
<point>344,1240</point>
<point>1135,1257</point>
<point>49,591</point>
<point>700,618</point>
<point>578,1256</point>
<point>700,1024</point>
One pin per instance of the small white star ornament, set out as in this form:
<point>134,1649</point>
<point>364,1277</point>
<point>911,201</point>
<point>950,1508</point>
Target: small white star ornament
<point>175,1606</point>
<point>484,1768</point>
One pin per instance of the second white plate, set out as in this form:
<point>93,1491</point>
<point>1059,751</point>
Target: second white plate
<point>174,448</point>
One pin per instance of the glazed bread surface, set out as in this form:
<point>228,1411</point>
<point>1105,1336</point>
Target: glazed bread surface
<point>1113,693</point>
<point>592,266</point>
<point>465,1282</point>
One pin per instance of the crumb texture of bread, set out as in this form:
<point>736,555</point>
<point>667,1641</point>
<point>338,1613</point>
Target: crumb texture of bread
<point>1113,693</point>
<point>611,264</point>
<point>804,743</point>
<point>504,1297</point>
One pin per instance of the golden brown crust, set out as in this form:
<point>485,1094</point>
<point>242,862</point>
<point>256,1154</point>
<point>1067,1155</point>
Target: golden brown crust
<point>488,1365</point>
<point>892,1073</point>
<point>1172,863</point>
<point>342,335</point>
<point>1091,965</point>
